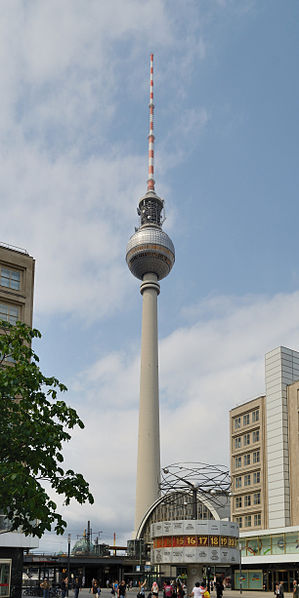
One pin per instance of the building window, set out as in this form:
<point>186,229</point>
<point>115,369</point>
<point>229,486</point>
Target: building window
<point>10,278</point>
<point>246,440</point>
<point>238,462</point>
<point>5,577</point>
<point>255,436</point>
<point>256,457</point>
<point>247,522</point>
<point>247,459</point>
<point>257,519</point>
<point>246,419</point>
<point>255,416</point>
<point>257,498</point>
<point>9,313</point>
<point>237,421</point>
<point>247,479</point>
<point>247,500</point>
<point>256,477</point>
<point>238,520</point>
<point>238,442</point>
<point>238,502</point>
<point>238,482</point>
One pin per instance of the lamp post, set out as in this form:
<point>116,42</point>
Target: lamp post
<point>68,561</point>
<point>240,569</point>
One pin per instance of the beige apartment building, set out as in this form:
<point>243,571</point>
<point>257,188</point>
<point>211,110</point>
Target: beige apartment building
<point>248,464</point>
<point>16,284</point>
<point>264,435</point>
<point>16,303</point>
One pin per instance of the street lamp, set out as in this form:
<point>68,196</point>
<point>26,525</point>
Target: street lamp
<point>68,561</point>
<point>240,569</point>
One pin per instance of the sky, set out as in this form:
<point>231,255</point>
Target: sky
<point>74,79</point>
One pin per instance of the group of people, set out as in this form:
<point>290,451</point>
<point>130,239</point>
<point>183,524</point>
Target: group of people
<point>64,585</point>
<point>171,589</point>
<point>279,590</point>
<point>119,589</point>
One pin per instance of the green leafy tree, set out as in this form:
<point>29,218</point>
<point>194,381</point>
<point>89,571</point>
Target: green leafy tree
<point>34,424</point>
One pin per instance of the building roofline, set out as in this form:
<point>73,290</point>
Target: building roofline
<point>263,396</point>
<point>14,248</point>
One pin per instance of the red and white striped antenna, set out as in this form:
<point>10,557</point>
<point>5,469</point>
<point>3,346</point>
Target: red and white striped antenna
<point>151,137</point>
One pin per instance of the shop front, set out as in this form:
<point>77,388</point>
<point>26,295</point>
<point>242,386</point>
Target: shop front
<point>268,558</point>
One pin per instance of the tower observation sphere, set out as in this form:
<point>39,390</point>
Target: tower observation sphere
<point>150,256</point>
<point>150,249</point>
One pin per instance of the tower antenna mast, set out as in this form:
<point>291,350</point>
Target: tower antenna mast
<point>151,136</point>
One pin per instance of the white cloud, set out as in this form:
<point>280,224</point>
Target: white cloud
<point>68,187</point>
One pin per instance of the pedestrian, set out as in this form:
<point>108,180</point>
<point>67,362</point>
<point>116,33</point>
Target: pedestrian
<point>99,590</point>
<point>94,588</point>
<point>115,588</point>
<point>45,586</point>
<point>180,592</point>
<point>277,590</point>
<point>196,592</point>
<point>155,589</point>
<point>122,589</point>
<point>295,589</point>
<point>76,587</point>
<point>168,589</point>
<point>219,588</point>
<point>281,590</point>
<point>64,585</point>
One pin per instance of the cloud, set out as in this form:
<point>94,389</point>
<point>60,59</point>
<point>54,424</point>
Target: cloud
<point>67,161</point>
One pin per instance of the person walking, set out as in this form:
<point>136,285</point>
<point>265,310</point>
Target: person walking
<point>168,589</point>
<point>196,592</point>
<point>180,592</point>
<point>94,588</point>
<point>219,588</point>
<point>295,589</point>
<point>155,589</point>
<point>45,586</point>
<point>142,588</point>
<point>76,587</point>
<point>281,590</point>
<point>122,589</point>
<point>64,586</point>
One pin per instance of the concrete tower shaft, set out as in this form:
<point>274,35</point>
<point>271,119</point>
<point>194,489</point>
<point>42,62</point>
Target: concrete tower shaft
<point>150,256</point>
<point>148,456</point>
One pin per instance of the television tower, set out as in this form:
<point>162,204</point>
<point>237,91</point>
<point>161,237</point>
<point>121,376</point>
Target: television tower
<point>150,257</point>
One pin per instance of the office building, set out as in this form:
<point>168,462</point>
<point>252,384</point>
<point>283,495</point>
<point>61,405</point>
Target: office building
<point>264,469</point>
